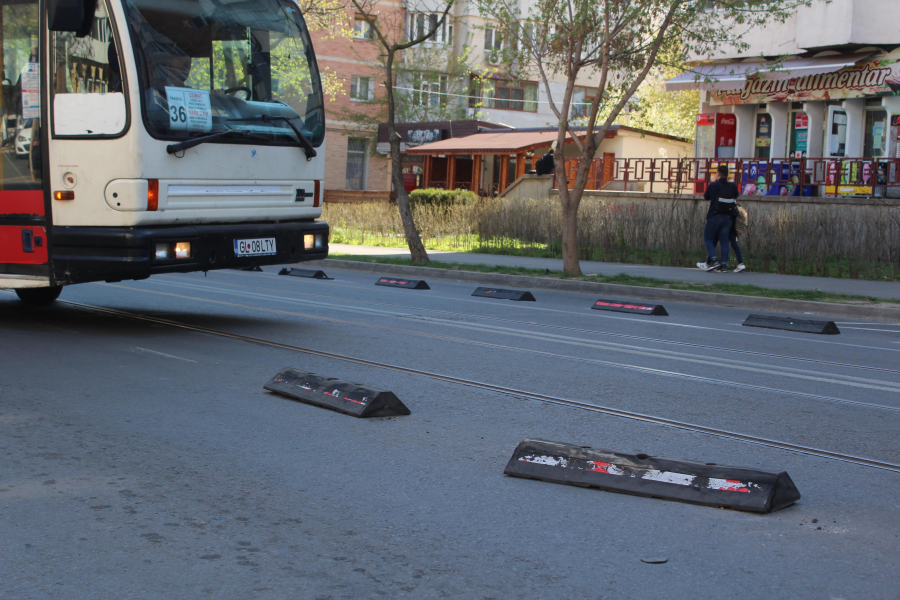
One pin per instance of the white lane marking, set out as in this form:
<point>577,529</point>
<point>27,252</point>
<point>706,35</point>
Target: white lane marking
<point>871,329</point>
<point>560,327</point>
<point>467,341</point>
<point>527,306</point>
<point>164,354</point>
<point>847,380</point>
<point>874,323</point>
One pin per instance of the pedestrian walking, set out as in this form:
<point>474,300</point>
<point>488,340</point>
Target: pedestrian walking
<point>722,196</point>
<point>738,228</point>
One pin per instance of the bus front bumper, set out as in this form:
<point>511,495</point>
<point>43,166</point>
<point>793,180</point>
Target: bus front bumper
<point>83,254</point>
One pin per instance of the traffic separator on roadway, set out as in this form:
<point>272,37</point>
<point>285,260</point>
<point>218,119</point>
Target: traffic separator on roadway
<point>630,307</point>
<point>486,292</point>
<point>791,324</point>
<point>256,269</point>
<point>310,273</point>
<point>708,484</point>
<point>349,398</point>
<point>412,284</point>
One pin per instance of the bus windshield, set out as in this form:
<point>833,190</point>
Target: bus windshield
<point>210,66</point>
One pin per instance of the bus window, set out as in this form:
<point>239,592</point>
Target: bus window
<point>20,106</point>
<point>87,85</point>
<point>211,67</point>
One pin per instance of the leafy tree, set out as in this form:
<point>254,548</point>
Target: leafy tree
<point>616,43</point>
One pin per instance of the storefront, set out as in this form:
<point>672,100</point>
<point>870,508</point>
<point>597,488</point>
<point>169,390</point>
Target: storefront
<point>825,107</point>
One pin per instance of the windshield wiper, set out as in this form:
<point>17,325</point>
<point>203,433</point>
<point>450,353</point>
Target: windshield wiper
<point>304,141</point>
<point>188,144</point>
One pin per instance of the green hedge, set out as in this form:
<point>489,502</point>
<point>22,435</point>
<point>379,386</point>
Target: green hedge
<point>441,197</point>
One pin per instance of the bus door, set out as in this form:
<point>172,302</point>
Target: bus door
<point>23,219</point>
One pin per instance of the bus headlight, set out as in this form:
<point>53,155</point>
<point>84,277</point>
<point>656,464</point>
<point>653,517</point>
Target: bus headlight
<point>309,241</point>
<point>320,241</point>
<point>162,251</point>
<point>183,250</point>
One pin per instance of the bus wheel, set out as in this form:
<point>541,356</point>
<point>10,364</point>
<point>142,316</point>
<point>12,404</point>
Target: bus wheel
<point>38,296</point>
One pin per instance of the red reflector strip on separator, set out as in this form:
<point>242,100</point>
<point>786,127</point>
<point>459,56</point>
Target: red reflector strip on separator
<point>723,485</point>
<point>616,305</point>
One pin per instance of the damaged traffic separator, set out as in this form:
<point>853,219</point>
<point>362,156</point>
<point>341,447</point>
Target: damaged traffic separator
<point>791,324</point>
<point>412,284</point>
<point>520,295</point>
<point>310,273</point>
<point>630,307</point>
<point>708,484</point>
<point>349,398</point>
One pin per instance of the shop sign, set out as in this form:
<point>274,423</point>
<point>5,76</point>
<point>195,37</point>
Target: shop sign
<point>801,121</point>
<point>877,77</point>
<point>706,119</point>
<point>417,137</point>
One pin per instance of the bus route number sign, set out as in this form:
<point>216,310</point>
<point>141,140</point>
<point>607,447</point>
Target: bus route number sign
<point>189,109</point>
<point>257,247</point>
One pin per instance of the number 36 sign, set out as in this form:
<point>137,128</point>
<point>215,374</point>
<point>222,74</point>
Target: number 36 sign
<point>189,109</point>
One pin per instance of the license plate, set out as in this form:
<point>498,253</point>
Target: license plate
<point>257,247</point>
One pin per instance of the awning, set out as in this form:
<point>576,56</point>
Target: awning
<point>510,142</point>
<point>732,76</point>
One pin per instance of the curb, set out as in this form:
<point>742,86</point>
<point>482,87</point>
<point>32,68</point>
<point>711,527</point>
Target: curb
<point>624,291</point>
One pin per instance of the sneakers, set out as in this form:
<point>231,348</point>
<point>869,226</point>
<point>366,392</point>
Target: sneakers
<point>702,266</point>
<point>722,269</point>
<point>740,268</point>
<point>713,267</point>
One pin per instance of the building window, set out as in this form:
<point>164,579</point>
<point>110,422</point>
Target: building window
<point>419,24</point>
<point>362,28</point>
<point>581,101</point>
<point>431,93</point>
<point>362,89</point>
<point>493,41</point>
<point>357,159</point>
<point>505,95</point>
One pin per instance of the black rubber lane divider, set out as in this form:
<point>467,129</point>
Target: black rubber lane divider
<point>708,484</point>
<point>486,292</point>
<point>349,398</point>
<point>630,307</point>
<point>256,269</point>
<point>791,324</point>
<point>311,273</point>
<point>413,284</point>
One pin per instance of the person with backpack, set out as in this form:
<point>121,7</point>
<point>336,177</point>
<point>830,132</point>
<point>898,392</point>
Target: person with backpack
<point>722,196</point>
<point>738,228</point>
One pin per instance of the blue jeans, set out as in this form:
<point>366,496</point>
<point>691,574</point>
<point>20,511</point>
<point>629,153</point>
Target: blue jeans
<point>716,230</point>
<point>733,240</point>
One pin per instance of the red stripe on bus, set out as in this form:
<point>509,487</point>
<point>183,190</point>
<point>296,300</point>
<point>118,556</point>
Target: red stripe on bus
<point>12,249</point>
<point>22,202</point>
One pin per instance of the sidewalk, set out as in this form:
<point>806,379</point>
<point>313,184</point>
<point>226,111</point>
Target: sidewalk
<point>876,289</point>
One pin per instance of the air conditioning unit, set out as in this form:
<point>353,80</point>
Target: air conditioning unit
<point>493,58</point>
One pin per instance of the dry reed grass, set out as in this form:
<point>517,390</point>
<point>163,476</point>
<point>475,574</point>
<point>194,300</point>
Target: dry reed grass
<point>835,240</point>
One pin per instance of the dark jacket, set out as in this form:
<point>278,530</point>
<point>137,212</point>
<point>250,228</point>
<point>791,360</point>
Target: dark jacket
<point>719,189</point>
<point>544,164</point>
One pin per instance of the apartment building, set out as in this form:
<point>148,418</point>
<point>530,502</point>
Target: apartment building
<point>454,76</point>
<point>823,84</point>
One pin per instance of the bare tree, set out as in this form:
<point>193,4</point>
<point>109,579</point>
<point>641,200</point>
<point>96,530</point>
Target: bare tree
<point>616,43</point>
<point>391,32</point>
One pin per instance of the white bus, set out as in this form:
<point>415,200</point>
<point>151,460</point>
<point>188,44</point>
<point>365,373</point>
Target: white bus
<point>165,136</point>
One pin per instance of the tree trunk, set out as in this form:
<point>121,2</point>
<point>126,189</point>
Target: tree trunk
<point>413,240</point>
<point>571,265</point>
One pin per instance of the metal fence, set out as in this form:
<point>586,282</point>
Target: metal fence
<point>877,177</point>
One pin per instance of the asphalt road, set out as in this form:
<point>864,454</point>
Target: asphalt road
<point>144,460</point>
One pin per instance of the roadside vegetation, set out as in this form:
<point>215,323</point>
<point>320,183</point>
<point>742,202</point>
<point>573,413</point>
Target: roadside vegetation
<point>828,241</point>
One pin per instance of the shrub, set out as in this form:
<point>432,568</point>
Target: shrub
<point>437,197</point>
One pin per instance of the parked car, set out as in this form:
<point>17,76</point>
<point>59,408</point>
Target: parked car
<point>23,139</point>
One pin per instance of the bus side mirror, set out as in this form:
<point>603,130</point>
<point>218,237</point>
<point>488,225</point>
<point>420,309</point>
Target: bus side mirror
<point>75,16</point>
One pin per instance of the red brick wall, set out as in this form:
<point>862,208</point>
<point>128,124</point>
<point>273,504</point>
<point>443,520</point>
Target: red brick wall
<point>346,57</point>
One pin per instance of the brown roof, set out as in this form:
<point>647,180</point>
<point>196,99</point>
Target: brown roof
<point>510,142</point>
